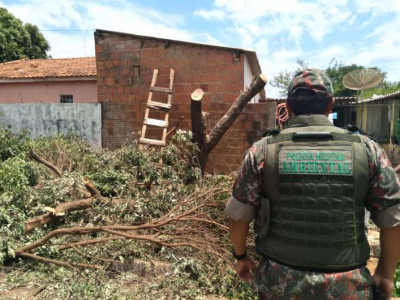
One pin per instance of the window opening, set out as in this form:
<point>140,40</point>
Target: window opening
<point>66,98</point>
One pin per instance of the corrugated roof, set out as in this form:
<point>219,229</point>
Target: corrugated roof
<point>48,68</point>
<point>351,100</point>
<point>337,99</point>
<point>391,96</point>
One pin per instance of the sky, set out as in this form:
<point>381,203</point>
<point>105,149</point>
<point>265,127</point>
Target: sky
<point>364,32</point>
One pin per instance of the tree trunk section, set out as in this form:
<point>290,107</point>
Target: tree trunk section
<point>205,142</point>
<point>199,125</point>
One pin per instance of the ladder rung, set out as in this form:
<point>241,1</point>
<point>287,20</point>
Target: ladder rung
<point>155,122</point>
<point>160,89</point>
<point>152,142</point>
<point>158,104</point>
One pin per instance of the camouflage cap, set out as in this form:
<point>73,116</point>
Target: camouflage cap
<point>311,79</point>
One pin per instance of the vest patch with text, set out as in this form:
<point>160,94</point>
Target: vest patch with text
<point>315,160</point>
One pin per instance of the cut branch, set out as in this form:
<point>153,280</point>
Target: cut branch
<point>206,143</point>
<point>176,126</point>
<point>93,191</point>
<point>48,164</point>
<point>57,262</point>
<point>89,242</point>
<point>60,210</point>
<point>227,120</point>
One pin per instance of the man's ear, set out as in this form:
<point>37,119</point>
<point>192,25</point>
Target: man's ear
<point>289,109</point>
<point>329,106</point>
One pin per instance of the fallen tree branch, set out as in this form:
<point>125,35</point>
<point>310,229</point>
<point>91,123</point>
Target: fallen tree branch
<point>60,210</point>
<point>57,262</point>
<point>39,290</point>
<point>162,243</point>
<point>48,164</point>
<point>160,231</point>
<point>88,242</point>
<point>65,207</point>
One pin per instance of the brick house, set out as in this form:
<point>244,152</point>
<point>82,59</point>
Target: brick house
<point>67,80</point>
<point>125,64</point>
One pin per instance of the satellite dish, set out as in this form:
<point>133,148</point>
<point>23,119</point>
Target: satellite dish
<point>362,79</point>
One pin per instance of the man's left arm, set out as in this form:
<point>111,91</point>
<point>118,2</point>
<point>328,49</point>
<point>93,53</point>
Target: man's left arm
<point>384,203</point>
<point>390,255</point>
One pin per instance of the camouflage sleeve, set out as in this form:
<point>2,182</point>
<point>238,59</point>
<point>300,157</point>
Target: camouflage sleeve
<point>384,193</point>
<point>247,187</point>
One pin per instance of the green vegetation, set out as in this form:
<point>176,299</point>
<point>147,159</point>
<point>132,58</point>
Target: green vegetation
<point>18,40</point>
<point>336,70</point>
<point>396,282</point>
<point>146,191</point>
<point>143,191</point>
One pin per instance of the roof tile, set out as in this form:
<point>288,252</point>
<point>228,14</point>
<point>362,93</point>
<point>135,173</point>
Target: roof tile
<point>48,68</point>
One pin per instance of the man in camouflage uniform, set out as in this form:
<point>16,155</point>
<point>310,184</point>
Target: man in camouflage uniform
<point>306,188</point>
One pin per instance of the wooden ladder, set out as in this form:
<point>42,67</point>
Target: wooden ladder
<point>159,106</point>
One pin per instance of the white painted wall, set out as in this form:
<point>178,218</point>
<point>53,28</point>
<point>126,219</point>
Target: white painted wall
<point>83,120</point>
<point>248,77</point>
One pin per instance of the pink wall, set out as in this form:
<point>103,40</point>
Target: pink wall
<point>48,92</point>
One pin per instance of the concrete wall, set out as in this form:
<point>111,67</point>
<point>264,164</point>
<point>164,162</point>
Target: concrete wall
<point>84,91</point>
<point>83,120</point>
<point>125,67</point>
<point>248,78</point>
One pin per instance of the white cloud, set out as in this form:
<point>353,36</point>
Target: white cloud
<point>377,7</point>
<point>280,31</point>
<point>208,39</point>
<point>76,44</point>
<point>253,18</point>
<point>87,15</point>
<point>214,14</point>
<point>324,56</point>
<point>283,31</point>
<point>47,14</point>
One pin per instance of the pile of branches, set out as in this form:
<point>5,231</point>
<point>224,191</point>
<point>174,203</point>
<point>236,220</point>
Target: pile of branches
<point>169,206</point>
<point>187,224</point>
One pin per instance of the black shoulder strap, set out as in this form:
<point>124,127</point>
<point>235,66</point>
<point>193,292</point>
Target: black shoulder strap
<point>355,130</point>
<point>271,132</point>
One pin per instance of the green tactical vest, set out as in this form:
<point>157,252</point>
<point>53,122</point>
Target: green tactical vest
<point>316,179</point>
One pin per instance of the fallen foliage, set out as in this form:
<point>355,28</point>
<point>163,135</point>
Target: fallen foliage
<point>113,217</point>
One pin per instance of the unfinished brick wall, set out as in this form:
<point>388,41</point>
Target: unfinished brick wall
<point>125,67</point>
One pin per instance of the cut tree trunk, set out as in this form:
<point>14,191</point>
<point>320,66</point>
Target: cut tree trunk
<point>205,142</point>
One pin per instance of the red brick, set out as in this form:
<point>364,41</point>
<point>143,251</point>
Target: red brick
<point>207,67</point>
